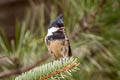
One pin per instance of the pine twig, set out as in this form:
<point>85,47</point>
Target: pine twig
<point>53,70</point>
<point>85,22</point>
<point>68,67</point>
<point>23,69</point>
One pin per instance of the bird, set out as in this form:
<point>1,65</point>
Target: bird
<point>56,39</point>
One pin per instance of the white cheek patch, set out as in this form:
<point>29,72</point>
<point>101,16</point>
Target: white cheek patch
<point>51,30</point>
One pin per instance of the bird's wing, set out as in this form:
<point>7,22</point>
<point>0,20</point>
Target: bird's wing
<point>46,40</point>
<point>47,44</point>
<point>67,42</point>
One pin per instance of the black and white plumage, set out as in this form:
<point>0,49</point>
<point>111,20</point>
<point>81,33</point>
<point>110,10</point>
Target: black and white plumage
<point>56,40</point>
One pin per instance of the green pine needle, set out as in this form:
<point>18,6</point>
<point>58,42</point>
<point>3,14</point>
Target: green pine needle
<point>54,70</point>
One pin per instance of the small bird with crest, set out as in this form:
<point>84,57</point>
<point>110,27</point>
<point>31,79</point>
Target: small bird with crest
<point>57,41</point>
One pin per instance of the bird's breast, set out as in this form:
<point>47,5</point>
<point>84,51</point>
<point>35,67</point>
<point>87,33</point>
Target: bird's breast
<point>56,47</point>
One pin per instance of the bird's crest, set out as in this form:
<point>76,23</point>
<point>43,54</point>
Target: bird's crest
<point>58,22</point>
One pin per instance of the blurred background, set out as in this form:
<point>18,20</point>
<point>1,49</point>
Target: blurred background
<point>93,27</point>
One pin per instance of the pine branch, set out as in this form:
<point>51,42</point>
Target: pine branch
<point>86,22</point>
<point>54,70</point>
<point>23,69</point>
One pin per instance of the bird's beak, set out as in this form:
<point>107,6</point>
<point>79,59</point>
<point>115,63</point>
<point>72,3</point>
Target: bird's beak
<point>61,29</point>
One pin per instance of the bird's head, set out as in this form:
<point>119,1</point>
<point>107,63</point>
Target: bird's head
<point>56,26</point>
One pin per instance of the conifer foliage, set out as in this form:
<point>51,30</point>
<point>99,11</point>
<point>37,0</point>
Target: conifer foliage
<point>53,70</point>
